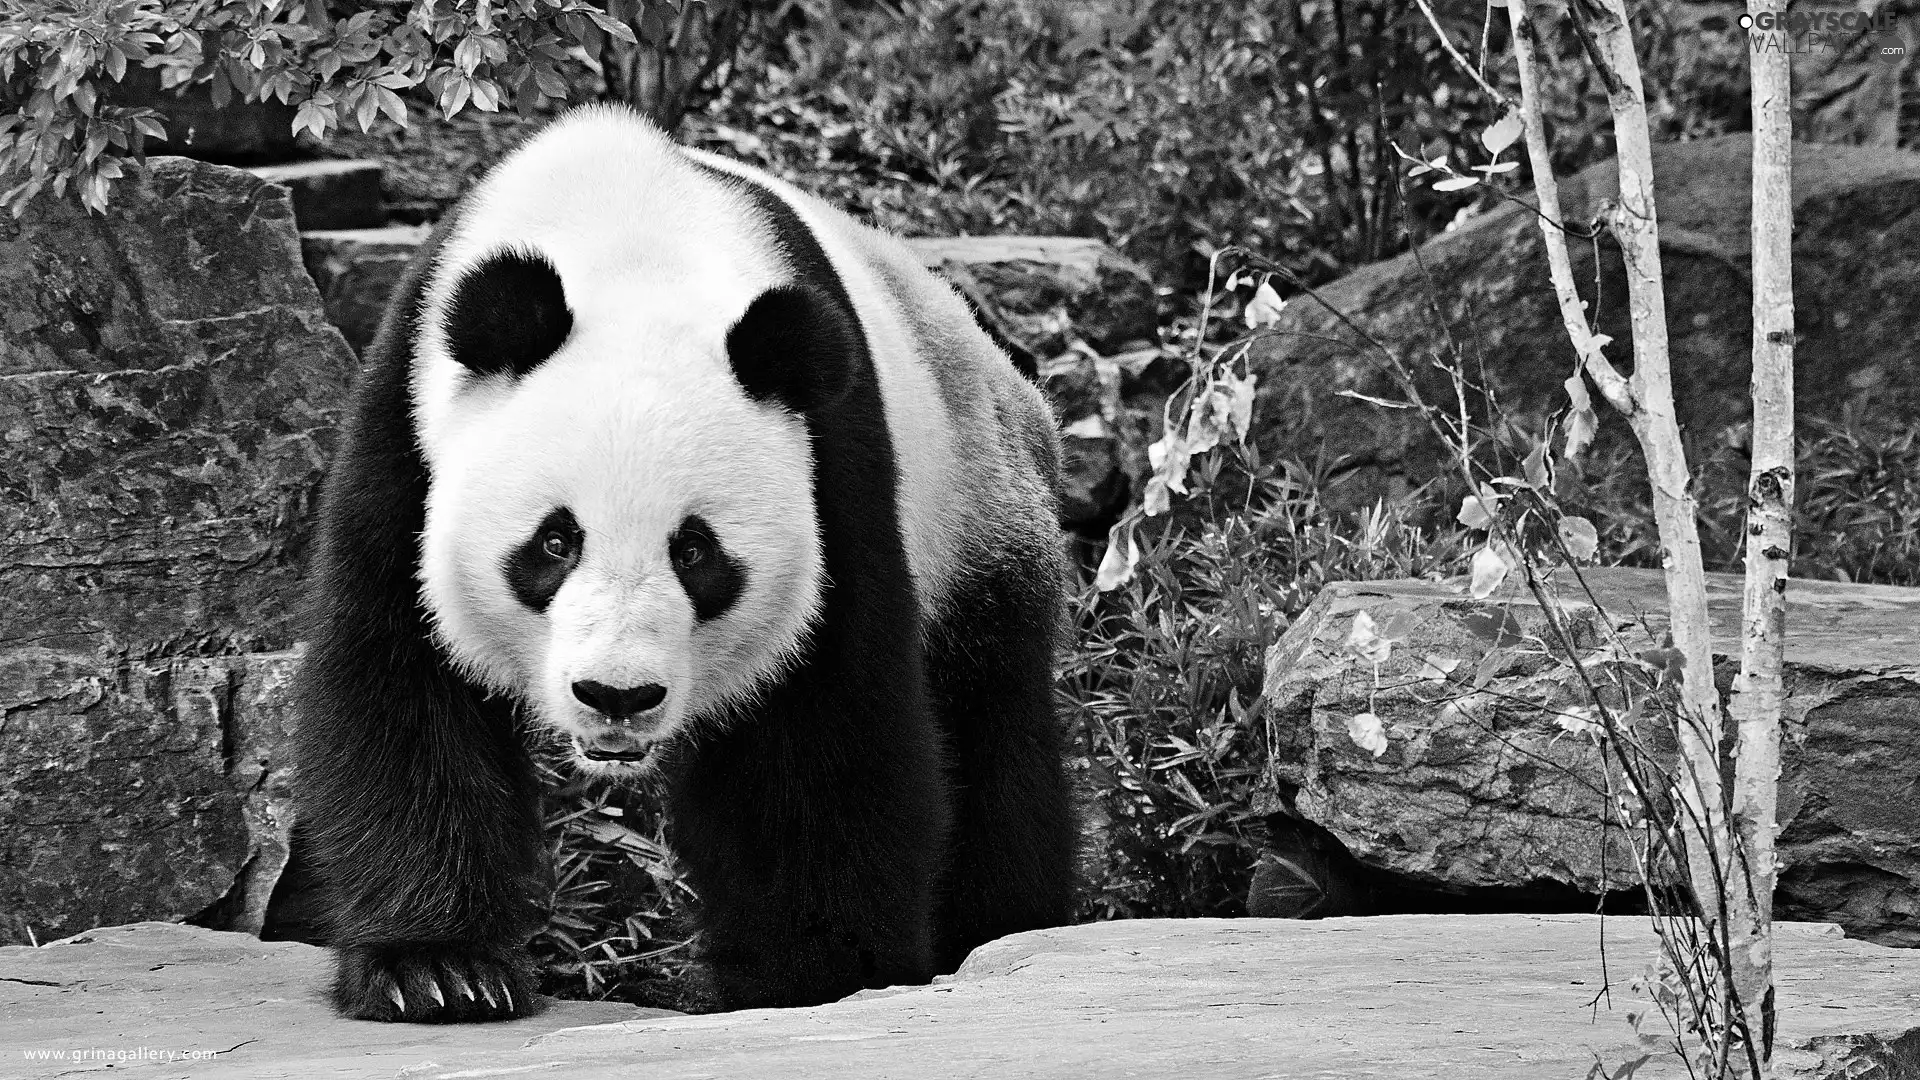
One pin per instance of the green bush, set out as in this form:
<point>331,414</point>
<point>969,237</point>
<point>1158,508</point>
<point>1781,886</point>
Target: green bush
<point>1162,126</point>
<point>1163,684</point>
<point>1857,512</point>
<point>617,916</point>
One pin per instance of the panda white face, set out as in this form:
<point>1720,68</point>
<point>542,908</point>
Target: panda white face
<point>628,546</point>
<point>616,533</point>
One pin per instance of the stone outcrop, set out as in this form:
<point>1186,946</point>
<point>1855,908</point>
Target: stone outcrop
<point>332,194</point>
<point>1856,256</point>
<point>356,271</point>
<point>1411,997</point>
<point>1051,290</point>
<point>1481,788</point>
<point>168,389</point>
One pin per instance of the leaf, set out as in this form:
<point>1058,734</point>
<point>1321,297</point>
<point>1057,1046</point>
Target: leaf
<point>1477,511</point>
<point>1503,133</point>
<point>1489,570</point>
<point>1122,556</point>
<point>1367,733</point>
<point>1535,468</point>
<point>1579,720</point>
<point>1168,457</point>
<point>1402,626</point>
<point>1497,167</point>
<point>1437,668</point>
<point>1264,309</point>
<point>1581,421</point>
<point>1455,183</point>
<point>1240,403</point>
<point>1155,500</point>
<point>1365,640</point>
<point>1582,540</point>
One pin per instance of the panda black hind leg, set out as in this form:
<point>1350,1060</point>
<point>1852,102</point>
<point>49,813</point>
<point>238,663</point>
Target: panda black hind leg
<point>990,669</point>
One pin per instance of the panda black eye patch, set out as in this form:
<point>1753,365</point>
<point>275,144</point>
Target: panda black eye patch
<point>509,313</point>
<point>712,578</point>
<point>539,566</point>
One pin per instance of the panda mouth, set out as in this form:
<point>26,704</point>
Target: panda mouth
<point>595,753</point>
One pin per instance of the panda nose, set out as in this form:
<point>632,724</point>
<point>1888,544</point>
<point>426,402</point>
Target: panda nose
<point>618,704</point>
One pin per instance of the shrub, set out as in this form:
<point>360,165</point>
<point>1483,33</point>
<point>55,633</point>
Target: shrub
<point>1858,511</point>
<point>1161,126</point>
<point>1164,682</point>
<point>616,925</point>
<point>64,126</point>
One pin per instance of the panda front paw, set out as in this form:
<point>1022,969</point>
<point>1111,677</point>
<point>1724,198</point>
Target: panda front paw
<point>432,984</point>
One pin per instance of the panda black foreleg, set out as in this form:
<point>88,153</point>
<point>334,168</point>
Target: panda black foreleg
<point>415,796</point>
<point>991,668</point>
<point>421,814</point>
<point>813,833</point>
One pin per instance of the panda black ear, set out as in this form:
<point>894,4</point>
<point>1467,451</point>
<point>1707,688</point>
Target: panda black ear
<point>509,313</point>
<point>797,346</point>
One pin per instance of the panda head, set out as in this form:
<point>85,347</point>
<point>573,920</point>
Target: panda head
<point>620,526</point>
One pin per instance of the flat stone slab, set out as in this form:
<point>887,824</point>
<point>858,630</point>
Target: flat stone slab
<point>164,999</point>
<point>1407,997</point>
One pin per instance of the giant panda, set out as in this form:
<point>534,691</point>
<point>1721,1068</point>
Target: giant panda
<point>725,492</point>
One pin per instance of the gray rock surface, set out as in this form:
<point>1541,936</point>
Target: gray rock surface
<point>1051,289</point>
<point>332,194</point>
<point>1856,255</point>
<point>130,996</point>
<point>356,270</point>
<point>1410,997</point>
<point>1493,793</point>
<point>168,390</point>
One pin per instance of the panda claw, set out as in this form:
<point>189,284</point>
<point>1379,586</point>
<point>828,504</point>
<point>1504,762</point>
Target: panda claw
<point>508,994</point>
<point>399,1000</point>
<point>438,998</point>
<point>460,984</point>
<point>487,992</point>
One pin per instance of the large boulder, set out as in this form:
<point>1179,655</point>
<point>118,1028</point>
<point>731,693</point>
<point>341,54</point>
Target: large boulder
<point>168,389</point>
<point>1481,788</point>
<point>1856,257</point>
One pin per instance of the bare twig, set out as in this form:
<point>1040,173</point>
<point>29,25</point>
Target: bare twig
<point>1446,41</point>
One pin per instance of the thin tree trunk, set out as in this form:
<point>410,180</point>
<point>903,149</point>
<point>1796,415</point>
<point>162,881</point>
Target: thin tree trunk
<point>1646,399</point>
<point>1759,695</point>
<point>1633,222</point>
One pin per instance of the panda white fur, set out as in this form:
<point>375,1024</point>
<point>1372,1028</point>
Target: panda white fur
<point>696,472</point>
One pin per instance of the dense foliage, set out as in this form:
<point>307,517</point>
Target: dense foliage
<point>1164,682</point>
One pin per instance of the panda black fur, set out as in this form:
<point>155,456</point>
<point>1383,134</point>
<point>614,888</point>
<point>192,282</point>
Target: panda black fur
<point>696,471</point>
